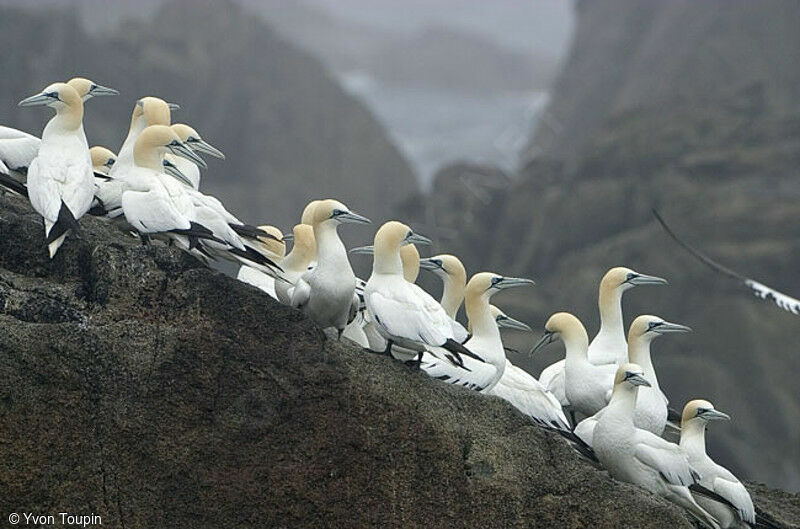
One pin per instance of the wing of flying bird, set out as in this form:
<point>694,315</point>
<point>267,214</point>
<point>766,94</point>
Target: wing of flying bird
<point>760,290</point>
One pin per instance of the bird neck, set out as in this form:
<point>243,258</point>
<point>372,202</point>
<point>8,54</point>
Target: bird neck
<point>330,249</point>
<point>410,266</point>
<point>452,294</point>
<point>299,258</point>
<point>576,344</point>
<point>386,259</point>
<point>693,437</point>
<point>610,304</point>
<point>68,118</point>
<point>623,401</point>
<point>148,157</point>
<point>126,151</point>
<point>483,325</point>
<point>639,353</point>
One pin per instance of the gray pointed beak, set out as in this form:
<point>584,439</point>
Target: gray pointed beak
<point>99,91</point>
<point>184,151</point>
<point>668,327</point>
<point>643,279</point>
<point>288,237</point>
<point>547,338</point>
<point>205,147</point>
<point>505,322</point>
<point>513,282</point>
<point>173,107</point>
<point>363,250</point>
<point>173,171</point>
<point>353,218</point>
<point>35,101</point>
<point>637,380</point>
<point>416,238</point>
<point>429,264</point>
<point>714,415</point>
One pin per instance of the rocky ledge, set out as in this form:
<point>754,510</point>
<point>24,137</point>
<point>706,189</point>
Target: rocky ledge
<point>153,392</point>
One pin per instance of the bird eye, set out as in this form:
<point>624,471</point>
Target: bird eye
<point>93,87</point>
<point>653,324</point>
<point>631,276</point>
<point>192,139</point>
<point>336,213</point>
<point>438,262</point>
<point>54,95</point>
<point>496,280</point>
<point>110,162</point>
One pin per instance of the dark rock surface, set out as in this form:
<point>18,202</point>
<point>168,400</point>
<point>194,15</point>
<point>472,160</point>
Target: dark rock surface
<point>153,392</point>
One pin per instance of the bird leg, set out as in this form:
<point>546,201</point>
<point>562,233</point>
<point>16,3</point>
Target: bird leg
<point>145,239</point>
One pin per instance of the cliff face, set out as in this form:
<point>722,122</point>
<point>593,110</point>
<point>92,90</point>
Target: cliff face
<point>288,130</point>
<point>627,55</point>
<point>148,390</point>
<point>650,120</point>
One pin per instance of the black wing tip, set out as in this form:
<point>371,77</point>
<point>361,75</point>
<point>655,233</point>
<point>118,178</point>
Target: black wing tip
<point>246,230</point>
<point>12,184</point>
<point>66,221</point>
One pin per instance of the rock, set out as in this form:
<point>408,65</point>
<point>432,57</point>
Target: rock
<point>151,391</point>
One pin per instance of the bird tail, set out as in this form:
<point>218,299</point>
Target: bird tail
<point>764,521</point>
<point>57,231</point>
<point>578,444</point>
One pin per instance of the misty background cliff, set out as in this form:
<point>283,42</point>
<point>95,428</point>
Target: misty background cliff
<point>570,123</point>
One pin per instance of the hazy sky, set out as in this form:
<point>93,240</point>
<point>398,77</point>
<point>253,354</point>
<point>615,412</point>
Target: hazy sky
<point>528,24</point>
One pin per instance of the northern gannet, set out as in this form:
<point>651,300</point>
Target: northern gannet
<point>739,512</point>
<point>18,148</point>
<point>144,200</point>
<point>363,330</point>
<point>651,404</point>
<point>586,384</point>
<point>102,159</point>
<point>275,249</point>
<point>485,361</point>
<point>608,346</point>
<point>522,390</point>
<point>326,293</point>
<point>296,263</point>
<point>640,457</point>
<point>146,112</point>
<point>192,138</point>
<point>60,178</point>
<point>454,278</point>
<point>405,314</point>
<point>759,290</point>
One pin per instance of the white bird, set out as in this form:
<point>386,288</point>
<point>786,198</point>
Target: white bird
<point>146,112</point>
<point>608,346</point>
<point>363,330</point>
<point>454,280</point>
<point>102,159</point>
<point>18,148</point>
<point>296,263</point>
<point>60,179</point>
<point>586,384</point>
<point>758,289</point>
<point>145,202</point>
<point>651,404</point>
<point>739,513</point>
<point>522,390</point>
<point>405,314</point>
<point>192,138</point>
<point>640,457</point>
<point>326,292</point>
<point>275,249</point>
<point>485,361</point>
